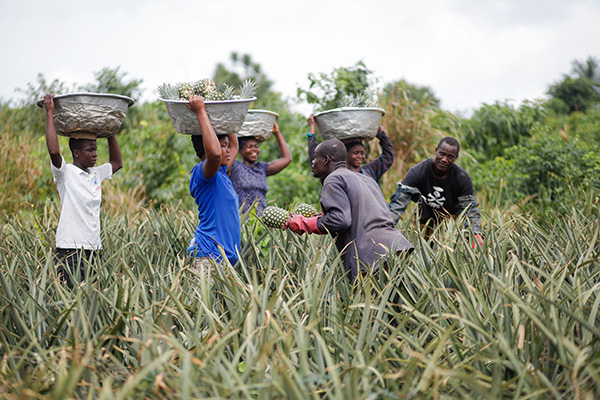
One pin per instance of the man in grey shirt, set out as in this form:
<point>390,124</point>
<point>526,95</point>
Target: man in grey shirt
<point>354,212</point>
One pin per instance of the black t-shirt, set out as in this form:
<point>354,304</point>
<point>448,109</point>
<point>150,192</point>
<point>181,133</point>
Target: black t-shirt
<point>439,197</point>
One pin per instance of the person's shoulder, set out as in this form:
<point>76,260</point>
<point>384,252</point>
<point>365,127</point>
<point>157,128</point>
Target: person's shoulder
<point>460,171</point>
<point>421,167</point>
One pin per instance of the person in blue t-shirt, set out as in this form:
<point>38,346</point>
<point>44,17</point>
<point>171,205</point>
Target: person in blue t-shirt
<point>218,205</point>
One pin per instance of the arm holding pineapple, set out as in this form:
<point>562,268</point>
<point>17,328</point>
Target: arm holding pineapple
<point>278,165</point>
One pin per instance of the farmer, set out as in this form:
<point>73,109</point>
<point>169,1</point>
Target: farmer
<point>211,188</point>
<point>249,176</point>
<point>356,153</point>
<point>441,188</point>
<point>354,211</point>
<point>80,192</point>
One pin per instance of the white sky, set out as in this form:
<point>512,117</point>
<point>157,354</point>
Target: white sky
<point>468,51</point>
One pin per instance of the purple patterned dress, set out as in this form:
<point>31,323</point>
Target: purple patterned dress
<point>250,183</point>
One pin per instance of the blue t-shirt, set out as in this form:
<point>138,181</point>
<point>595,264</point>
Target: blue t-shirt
<point>218,215</point>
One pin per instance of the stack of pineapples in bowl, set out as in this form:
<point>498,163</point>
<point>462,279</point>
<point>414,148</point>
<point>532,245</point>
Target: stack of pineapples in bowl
<point>357,117</point>
<point>226,109</point>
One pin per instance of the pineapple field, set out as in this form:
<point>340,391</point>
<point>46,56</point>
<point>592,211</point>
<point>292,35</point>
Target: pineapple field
<point>515,317</point>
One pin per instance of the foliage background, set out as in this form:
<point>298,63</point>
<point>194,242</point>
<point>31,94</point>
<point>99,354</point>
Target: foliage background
<point>517,317</point>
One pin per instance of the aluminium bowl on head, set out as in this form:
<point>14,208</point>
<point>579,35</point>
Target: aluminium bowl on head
<point>226,117</point>
<point>89,115</point>
<point>349,122</point>
<point>258,124</point>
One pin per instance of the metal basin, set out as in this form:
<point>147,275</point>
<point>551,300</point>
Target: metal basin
<point>258,124</point>
<point>349,122</point>
<point>226,117</point>
<point>96,114</point>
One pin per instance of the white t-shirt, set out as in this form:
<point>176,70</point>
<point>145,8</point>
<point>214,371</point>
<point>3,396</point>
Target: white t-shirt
<point>80,197</point>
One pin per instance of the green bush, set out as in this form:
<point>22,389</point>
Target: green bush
<point>496,127</point>
<point>547,171</point>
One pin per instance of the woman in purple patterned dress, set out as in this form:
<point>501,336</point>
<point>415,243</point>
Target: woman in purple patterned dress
<point>249,176</point>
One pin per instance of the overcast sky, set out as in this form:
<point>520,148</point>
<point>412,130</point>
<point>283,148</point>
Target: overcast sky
<point>468,51</point>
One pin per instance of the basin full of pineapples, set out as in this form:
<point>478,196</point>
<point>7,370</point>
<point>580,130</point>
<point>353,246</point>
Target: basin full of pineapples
<point>226,106</point>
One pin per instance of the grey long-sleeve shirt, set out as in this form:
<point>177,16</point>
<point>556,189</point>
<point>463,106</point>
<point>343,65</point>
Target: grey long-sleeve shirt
<point>357,215</point>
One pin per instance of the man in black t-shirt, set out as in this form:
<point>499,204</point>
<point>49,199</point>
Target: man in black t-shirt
<point>441,188</point>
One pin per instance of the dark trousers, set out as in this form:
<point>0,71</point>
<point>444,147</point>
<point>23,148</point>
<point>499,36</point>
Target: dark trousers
<point>74,264</point>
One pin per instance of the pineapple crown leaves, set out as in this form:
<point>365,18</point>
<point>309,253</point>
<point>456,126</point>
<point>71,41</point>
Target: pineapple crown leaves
<point>364,99</point>
<point>248,89</point>
<point>168,91</point>
<point>208,89</point>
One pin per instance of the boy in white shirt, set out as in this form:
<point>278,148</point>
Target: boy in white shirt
<point>79,188</point>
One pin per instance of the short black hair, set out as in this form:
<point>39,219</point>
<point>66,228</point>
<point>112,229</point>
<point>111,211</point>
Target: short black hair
<point>77,144</point>
<point>353,143</point>
<point>244,139</point>
<point>199,145</point>
<point>451,142</point>
<point>334,149</point>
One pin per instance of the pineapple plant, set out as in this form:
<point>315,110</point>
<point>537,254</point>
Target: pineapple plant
<point>275,217</point>
<point>306,210</point>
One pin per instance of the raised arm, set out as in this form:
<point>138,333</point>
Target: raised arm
<point>276,166</point>
<point>381,164</point>
<point>114,154</point>
<point>51,136</point>
<point>212,147</point>
<point>311,137</point>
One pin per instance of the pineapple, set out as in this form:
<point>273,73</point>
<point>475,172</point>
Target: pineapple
<point>275,217</point>
<point>185,90</point>
<point>203,87</point>
<point>216,96</point>
<point>222,92</point>
<point>305,210</point>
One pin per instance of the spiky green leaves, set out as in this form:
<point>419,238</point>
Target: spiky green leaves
<point>207,89</point>
<point>248,89</point>
<point>168,92</point>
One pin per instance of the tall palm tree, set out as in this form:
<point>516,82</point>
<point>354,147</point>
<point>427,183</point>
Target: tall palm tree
<point>588,69</point>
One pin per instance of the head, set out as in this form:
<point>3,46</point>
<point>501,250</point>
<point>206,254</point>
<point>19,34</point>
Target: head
<point>84,152</point>
<point>249,149</point>
<point>356,154</point>
<point>331,153</point>
<point>445,154</point>
<point>223,141</point>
